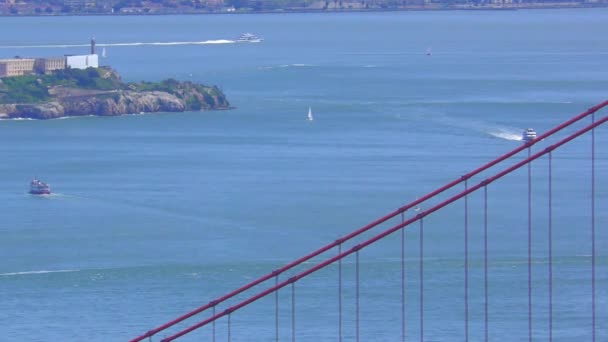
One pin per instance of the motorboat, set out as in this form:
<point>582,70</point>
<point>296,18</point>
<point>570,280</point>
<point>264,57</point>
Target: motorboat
<point>38,187</point>
<point>249,38</point>
<point>528,135</point>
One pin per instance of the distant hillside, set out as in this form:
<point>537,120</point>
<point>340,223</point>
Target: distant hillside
<point>134,7</point>
<point>99,91</point>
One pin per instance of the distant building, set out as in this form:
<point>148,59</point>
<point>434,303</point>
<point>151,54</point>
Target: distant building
<point>82,62</point>
<point>23,66</point>
<point>79,4</point>
<point>16,66</point>
<point>46,65</point>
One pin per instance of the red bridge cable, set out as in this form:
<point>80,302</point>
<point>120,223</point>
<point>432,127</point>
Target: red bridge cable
<point>382,235</point>
<point>293,312</point>
<point>485,262</point>
<point>229,330</point>
<point>593,230</point>
<point>213,330</point>
<point>357,297</point>
<point>369,226</point>
<point>529,248</point>
<point>340,295</point>
<point>466,264</point>
<point>402,280</point>
<point>276,310</point>
<point>421,280</point>
<point>550,240</point>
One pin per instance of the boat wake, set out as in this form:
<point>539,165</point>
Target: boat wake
<point>506,134</point>
<point>59,195</point>
<point>52,196</point>
<point>495,130</point>
<point>35,272</point>
<point>283,66</point>
<point>204,42</point>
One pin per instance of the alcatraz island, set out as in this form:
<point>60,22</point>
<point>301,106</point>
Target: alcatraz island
<point>75,85</point>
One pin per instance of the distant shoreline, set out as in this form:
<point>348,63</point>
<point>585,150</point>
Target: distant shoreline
<point>429,8</point>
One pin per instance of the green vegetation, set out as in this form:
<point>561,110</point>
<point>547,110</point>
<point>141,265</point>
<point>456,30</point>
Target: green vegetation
<point>101,83</point>
<point>91,78</point>
<point>24,89</point>
<point>181,90</point>
<point>170,86</point>
<point>35,88</point>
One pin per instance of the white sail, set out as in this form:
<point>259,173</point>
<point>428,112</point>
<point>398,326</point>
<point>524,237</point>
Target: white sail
<point>310,118</point>
<point>103,52</point>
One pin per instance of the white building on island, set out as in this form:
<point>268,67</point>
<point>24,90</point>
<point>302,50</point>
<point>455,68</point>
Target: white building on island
<point>19,66</point>
<point>82,61</point>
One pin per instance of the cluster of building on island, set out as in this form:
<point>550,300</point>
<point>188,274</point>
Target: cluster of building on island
<point>20,66</point>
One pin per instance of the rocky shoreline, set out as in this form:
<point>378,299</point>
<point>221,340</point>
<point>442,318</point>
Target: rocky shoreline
<point>127,102</point>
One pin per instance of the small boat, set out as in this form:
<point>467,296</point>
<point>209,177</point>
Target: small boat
<point>249,38</point>
<point>103,52</point>
<point>38,187</point>
<point>429,52</point>
<point>528,135</point>
<point>309,117</point>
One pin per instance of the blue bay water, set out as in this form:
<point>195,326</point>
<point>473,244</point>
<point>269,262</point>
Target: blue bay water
<point>156,214</point>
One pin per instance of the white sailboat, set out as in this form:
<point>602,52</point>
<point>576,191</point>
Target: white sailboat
<point>309,117</point>
<point>103,52</point>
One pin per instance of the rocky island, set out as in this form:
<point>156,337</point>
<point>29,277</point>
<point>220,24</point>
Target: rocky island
<point>100,91</point>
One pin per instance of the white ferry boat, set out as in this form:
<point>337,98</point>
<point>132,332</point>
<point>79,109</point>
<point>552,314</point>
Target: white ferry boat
<point>528,135</point>
<point>38,187</point>
<point>249,38</point>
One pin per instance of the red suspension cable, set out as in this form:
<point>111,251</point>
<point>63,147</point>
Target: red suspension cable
<point>369,226</point>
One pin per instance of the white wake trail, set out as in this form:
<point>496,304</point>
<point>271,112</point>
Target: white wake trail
<point>506,134</point>
<point>36,272</point>
<point>56,46</point>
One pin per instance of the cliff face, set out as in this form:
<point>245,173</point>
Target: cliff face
<point>168,96</point>
<point>110,104</point>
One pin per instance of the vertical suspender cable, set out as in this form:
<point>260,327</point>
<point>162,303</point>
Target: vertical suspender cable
<point>421,280</point>
<point>213,326</point>
<point>229,334</point>
<point>466,264</point>
<point>276,309</point>
<point>550,238</point>
<point>529,248</point>
<point>293,312</point>
<point>485,261</point>
<point>340,295</point>
<point>357,296</point>
<point>593,229</point>
<point>402,280</point>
